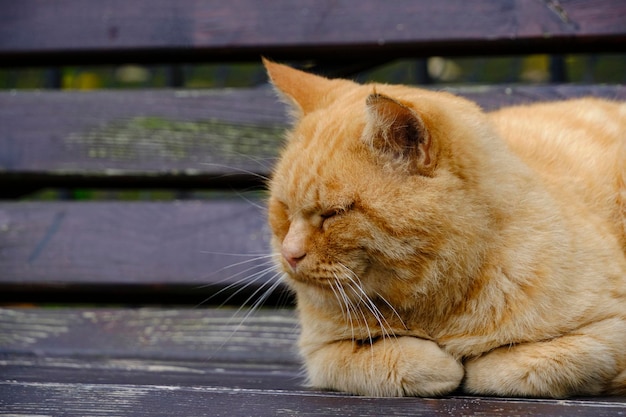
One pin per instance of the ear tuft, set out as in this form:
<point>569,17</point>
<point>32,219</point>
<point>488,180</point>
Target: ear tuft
<point>306,92</point>
<point>399,135</point>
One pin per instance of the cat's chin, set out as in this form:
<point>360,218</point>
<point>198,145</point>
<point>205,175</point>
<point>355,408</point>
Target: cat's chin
<point>324,283</point>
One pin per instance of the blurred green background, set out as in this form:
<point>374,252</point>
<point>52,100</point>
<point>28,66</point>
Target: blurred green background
<point>529,69</point>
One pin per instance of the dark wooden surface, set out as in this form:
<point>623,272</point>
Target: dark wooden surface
<point>140,138</point>
<point>186,247</point>
<point>165,362</point>
<point>72,31</point>
<point>206,335</point>
<point>184,138</point>
<point>120,361</point>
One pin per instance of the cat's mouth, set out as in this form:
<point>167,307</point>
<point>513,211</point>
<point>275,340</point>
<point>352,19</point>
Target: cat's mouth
<point>351,287</point>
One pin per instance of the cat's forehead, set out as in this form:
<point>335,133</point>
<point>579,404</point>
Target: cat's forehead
<point>319,164</point>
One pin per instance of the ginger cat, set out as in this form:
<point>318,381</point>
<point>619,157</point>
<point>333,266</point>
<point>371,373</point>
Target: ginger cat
<point>433,246</point>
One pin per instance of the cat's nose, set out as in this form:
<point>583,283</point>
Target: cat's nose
<point>293,255</point>
<point>293,248</point>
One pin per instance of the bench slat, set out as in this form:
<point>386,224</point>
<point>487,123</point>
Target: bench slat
<point>166,248</point>
<point>114,138</point>
<point>168,398</point>
<point>226,335</point>
<point>180,139</point>
<point>153,362</point>
<point>71,31</point>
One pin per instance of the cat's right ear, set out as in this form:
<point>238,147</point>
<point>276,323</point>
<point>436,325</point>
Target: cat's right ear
<point>399,135</point>
<point>306,92</point>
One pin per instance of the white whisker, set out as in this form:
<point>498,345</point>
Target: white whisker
<point>256,255</point>
<point>273,283</point>
<point>344,301</point>
<point>262,208</point>
<point>266,263</point>
<point>395,312</point>
<point>385,326</point>
<point>237,170</point>
<point>349,307</point>
<point>248,280</point>
<point>369,333</point>
<point>260,300</point>
<point>339,300</point>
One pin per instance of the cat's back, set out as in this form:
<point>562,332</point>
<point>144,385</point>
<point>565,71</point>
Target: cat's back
<point>578,147</point>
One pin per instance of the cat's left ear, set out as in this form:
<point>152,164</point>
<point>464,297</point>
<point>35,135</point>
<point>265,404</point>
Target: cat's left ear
<point>399,135</point>
<point>306,92</point>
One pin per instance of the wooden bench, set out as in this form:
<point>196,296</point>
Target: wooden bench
<point>130,307</point>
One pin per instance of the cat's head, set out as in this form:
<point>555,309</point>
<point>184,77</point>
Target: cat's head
<point>375,189</point>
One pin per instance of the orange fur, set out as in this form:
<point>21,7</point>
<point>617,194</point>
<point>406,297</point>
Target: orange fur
<point>431,245</point>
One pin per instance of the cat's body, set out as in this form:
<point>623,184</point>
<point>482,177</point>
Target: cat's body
<point>432,246</point>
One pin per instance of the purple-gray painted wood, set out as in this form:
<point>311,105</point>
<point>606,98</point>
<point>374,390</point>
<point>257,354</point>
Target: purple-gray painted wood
<point>117,31</point>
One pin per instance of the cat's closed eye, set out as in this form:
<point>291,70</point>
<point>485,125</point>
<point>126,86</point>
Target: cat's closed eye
<point>333,213</point>
<point>330,213</point>
<point>328,216</point>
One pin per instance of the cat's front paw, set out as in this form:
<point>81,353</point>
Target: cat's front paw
<point>500,373</point>
<point>403,366</point>
<point>422,369</point>
<point>539,370</point>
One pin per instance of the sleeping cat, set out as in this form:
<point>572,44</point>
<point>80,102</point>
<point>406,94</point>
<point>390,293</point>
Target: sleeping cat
<point>432,246</point>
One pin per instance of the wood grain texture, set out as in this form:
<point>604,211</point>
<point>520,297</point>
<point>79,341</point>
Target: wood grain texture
<point>140,138</point>
<point>164,399</point>
<point>164,362</point>
<point>192,246</point>
<point>71,31</point>
<point>114,335</point>
<point>179,139</point>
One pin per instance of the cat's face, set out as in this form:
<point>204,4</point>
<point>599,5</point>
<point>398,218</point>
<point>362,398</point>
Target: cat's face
<point>356,200</point>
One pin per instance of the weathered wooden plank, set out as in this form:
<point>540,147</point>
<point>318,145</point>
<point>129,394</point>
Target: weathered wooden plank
<point>208,372</point>
<point>70,31</point>
<point>115,138</point>
<point>191,247</point>
<point>163,398</point>
<point>189,362</point>
<point>179,138</point>
<point>210,336</point>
